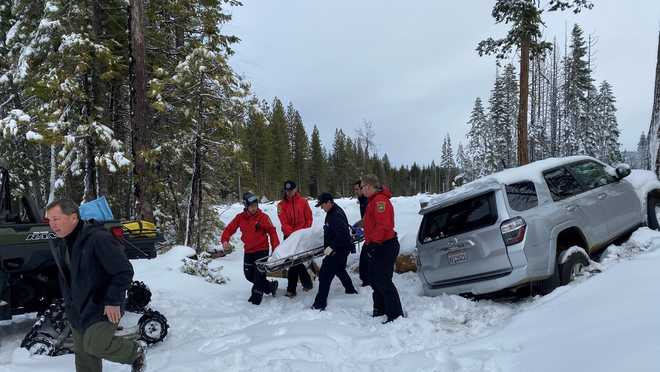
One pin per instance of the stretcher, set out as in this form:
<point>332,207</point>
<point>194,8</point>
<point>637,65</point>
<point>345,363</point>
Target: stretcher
<point>266,266</point>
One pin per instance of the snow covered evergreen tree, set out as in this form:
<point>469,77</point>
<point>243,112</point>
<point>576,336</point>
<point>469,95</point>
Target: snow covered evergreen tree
<point>578,88</point>
<point>607,127</point>
<point>510,103</point>
<point>479,142</point>
<point>500,126</point>
<point>463,162</point>
<point>643,151</point>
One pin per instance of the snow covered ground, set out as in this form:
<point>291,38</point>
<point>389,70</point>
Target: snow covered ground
<point>602,322</point>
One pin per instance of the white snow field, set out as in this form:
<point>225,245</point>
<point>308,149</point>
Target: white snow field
<point>609,321</point>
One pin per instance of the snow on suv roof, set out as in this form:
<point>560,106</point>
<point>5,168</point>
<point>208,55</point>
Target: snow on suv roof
<point>529,172</point>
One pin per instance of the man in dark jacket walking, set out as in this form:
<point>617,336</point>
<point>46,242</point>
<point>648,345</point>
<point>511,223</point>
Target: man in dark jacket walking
<point>338,243</point>
<point>364,261</point>
<point>94,277</point>
<point>382,247</point>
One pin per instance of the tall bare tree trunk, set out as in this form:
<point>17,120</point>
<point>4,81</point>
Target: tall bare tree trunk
<point>523,157</point>
<point>53,173</point>
<point>139,118</point>
<point>195,202</point>
<point>554,105</point>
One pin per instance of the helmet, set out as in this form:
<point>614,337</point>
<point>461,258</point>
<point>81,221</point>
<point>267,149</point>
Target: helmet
<point>249,199</point>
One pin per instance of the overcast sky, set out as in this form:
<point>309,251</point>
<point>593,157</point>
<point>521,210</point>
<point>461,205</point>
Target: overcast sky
<point>411,67</point>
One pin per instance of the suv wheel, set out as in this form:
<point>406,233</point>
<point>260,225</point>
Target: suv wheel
<point>545,286</point>
<point>653,209</point>
<point>572,267</point>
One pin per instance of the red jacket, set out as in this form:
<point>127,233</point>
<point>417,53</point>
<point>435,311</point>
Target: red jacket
<point>255,230</point>
<point>294,214</point>
<point>379,218</point>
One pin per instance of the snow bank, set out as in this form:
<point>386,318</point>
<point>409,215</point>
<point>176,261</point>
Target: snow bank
<point>606,323</point>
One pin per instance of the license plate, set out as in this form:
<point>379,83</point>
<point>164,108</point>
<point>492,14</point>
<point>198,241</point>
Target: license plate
<point>457,257</point>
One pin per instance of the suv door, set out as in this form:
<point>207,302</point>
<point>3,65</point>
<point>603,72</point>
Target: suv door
<point>578,205</point>
<point>617,200</point>
<point>462,242</point>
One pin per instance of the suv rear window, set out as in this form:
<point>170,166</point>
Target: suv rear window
<point>522,196</point>
<point>459,218</point>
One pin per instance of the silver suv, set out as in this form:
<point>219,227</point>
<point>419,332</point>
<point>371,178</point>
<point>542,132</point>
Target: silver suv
<point>536,224</point>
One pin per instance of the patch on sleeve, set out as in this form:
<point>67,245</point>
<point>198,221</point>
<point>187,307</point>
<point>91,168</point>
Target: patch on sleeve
<point>279,208</point>
<point>380,206</point>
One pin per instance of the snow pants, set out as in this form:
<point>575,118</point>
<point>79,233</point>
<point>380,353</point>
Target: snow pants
<point>99,342</point>
<point>4,278</point>
<point>298,272</point>
<point>333,265</point>
<point>364,266</point>
<point>254,276</point>
<point>381,270</point>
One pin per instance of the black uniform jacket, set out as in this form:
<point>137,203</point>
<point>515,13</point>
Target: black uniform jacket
<point>95,274</point>
<point>336,231</point>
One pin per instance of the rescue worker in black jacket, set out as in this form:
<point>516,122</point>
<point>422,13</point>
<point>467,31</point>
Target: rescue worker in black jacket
<point>338,243</point>
<point>94,277</point>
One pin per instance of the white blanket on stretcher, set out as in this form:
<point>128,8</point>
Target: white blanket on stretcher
<point>300,241</point>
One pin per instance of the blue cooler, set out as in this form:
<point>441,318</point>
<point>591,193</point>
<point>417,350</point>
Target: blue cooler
<point>97,210</point>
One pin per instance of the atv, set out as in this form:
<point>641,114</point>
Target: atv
<point>28,269</point>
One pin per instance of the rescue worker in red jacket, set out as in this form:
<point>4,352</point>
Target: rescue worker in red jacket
<point>256,228</point>
<point>382,248</point>
<point>295,214</point>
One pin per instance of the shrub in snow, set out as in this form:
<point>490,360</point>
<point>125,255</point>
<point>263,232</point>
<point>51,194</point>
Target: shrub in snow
<point>200,267</point>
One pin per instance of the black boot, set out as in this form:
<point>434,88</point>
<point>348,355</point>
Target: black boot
<point>273,287</point>
<point>318,307</point>
<point>377,312</point>
<point>256,298</point>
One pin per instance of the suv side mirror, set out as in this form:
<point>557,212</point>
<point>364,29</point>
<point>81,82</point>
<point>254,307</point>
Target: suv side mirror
<point>622,171</point>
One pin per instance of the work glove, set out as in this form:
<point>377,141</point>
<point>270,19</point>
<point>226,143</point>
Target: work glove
<point>328,251</point>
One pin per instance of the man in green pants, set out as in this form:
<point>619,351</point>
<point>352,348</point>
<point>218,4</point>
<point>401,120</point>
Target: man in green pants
<point>94,277</point>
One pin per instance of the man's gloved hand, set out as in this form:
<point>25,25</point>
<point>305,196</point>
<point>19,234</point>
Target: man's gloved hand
<point>328,251</point>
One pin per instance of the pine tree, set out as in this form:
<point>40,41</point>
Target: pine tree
<point>318,165</point>
<point>608,128</point>
<point>579,86</point>
<point>479,142</point>
<point>299,150</point>
<point>339,161</point>
<point>463,162</point>
<point>643,152</point>
<point>280,166</point>
<point>499,125</point>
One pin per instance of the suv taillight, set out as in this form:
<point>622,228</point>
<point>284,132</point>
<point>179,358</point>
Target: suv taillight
<point>117,232</point>
<point>513,230</point>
